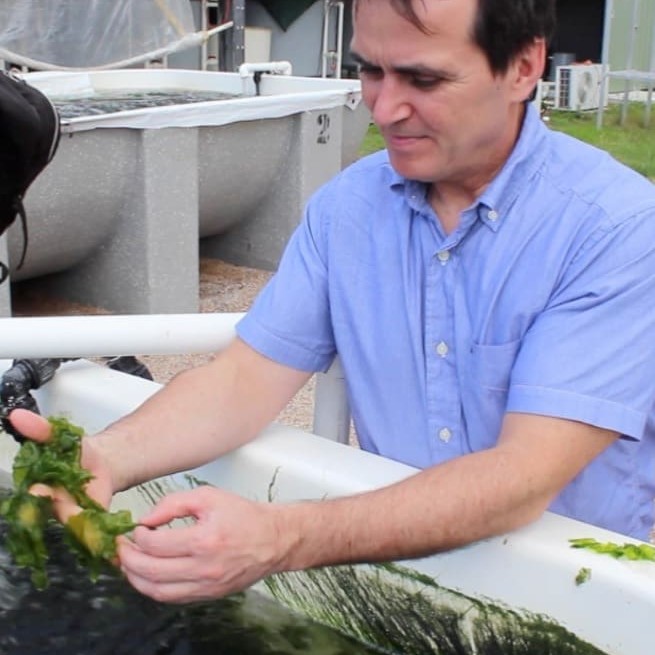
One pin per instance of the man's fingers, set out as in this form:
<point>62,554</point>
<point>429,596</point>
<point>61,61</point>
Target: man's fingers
<point>165,542</point>
<point>30,425</point>
<point>177,505</point>
<point>63,503</point>
<point>42,490</point>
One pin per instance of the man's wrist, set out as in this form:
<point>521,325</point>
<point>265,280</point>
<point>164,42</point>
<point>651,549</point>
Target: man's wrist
<point>104,453</point>
<point>308,535</point>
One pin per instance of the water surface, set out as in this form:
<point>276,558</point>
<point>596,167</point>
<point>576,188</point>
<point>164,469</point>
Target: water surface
<point>74,616</point>
<point>121,100</point>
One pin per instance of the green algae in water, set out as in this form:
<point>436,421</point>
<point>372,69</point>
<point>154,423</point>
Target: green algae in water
<point>402,611</point>
<point>73,616</point>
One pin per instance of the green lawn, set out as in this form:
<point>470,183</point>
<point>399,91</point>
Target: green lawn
<point>372,141</point>
<point>632,143</point>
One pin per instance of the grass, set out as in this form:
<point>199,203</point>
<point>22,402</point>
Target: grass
<point>632,143</point>
<point>372,141</point>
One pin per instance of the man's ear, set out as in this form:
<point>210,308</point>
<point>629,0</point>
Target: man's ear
<point>527,69</point>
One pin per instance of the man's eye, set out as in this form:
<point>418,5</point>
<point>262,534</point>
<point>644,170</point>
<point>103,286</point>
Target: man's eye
<point>425,82</point>
<point>369,71</point>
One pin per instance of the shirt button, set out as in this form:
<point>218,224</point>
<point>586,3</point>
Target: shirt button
<point>492,215</point>
<point>445,434</point>
<point>442,349</point>
<point>443,256</point>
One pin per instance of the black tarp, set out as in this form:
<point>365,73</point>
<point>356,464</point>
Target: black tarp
<point>284,12</point>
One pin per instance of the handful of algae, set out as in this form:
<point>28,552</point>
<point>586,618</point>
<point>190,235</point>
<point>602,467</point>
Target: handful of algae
<point>91,534</point>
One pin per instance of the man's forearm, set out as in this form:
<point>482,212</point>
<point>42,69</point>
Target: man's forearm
<point>430,512</point>
<point>165,434</point>
<point>461,501</point>
<point>201,414</point>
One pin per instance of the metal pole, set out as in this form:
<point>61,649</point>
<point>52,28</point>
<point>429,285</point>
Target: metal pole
<point>203,26</point>
<point>331,407</point>
<point>630,63</point>
<point>326,49</point>
<point>605,59</point>
<point>651,72</point>
<point>339,64</point>
<point>235,43</point>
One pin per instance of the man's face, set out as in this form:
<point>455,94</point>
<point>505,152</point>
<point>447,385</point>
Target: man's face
<point>443,114</point>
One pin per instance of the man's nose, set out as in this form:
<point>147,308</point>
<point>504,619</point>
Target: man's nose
<point>390,102</point>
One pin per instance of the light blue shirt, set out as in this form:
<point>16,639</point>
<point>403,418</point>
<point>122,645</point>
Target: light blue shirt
<point>541,301</point>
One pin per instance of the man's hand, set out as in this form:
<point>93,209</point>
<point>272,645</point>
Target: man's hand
<point>37,428</point>
<point>232,543</point>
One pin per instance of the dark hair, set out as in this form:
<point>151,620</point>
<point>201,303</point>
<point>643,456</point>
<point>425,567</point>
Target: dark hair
<point>502,28</point>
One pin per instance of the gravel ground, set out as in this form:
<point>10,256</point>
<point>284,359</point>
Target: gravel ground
<point>223,288</point>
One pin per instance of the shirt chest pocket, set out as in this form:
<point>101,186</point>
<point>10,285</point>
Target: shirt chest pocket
<point>485,383</point>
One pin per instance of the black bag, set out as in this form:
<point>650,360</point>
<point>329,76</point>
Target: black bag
<point>29,135</point>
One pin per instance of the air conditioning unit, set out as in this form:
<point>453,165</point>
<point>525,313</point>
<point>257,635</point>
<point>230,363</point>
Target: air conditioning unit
<point>577,87</point>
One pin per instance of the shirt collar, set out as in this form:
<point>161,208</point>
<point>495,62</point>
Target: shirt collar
<point>525,159</point>
<point>496,200</point>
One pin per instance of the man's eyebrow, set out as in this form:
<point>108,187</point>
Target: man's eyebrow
<point>360,60</point>
<point>418,69</point>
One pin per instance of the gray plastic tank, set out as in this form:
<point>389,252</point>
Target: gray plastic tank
<point>117,217</point>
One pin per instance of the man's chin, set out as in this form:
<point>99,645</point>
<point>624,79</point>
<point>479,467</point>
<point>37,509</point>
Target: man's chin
<point>412,169</point>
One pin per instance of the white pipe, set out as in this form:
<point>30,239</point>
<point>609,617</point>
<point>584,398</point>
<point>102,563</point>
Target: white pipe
<point>157,334</point>
<point>248,70</point>
<point>219,28</point>
<point>189,41</point>
<point>105,336</point>
<point>272,67</point>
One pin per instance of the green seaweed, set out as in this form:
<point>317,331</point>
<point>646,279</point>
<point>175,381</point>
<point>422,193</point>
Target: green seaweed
<point>91,534</point>
<point>583,575</point>
<point>399,610</point>
<point>634,552</point>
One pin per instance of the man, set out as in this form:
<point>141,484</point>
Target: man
<point>487,285</point>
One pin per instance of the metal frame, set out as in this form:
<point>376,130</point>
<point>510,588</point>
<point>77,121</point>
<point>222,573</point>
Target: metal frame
<point>226,53</point>
<point>332,58</point>
<point>234,43</point>
<point>629,74</point>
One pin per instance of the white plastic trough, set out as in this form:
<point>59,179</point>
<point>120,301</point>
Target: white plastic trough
<point>523,582</point>
<point>115,219</point>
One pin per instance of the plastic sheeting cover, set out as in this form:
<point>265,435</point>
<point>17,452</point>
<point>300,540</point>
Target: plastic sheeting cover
<point>85,34</point>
